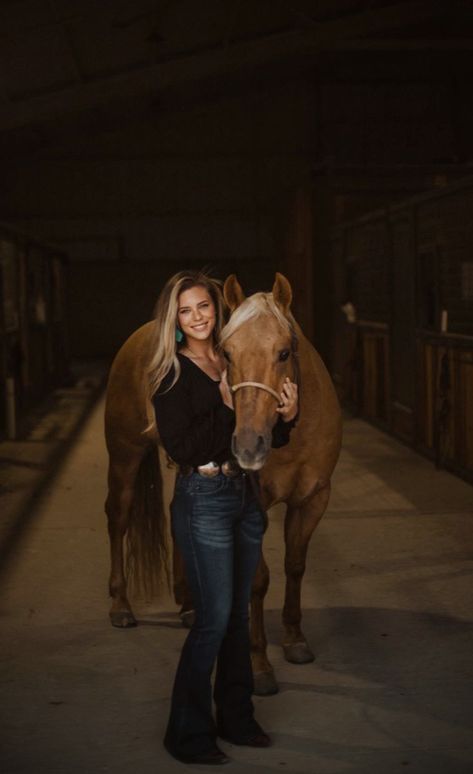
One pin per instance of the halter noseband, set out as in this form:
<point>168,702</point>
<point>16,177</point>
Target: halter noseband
<point>260,385</point>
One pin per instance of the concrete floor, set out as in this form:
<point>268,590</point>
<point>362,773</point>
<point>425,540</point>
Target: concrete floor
<point>388,608</point>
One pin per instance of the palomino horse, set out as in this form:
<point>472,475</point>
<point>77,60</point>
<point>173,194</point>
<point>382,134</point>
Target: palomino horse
<point>263,344</point>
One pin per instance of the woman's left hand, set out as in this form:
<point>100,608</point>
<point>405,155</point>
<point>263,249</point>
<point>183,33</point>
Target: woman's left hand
<point>289,401</point>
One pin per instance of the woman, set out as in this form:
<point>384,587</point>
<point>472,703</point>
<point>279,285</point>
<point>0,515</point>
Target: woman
<point>216,520</point>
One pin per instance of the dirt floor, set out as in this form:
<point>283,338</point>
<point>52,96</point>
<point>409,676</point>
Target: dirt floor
<point>388,609</point>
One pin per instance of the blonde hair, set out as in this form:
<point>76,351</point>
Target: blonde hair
<point>163,338</point>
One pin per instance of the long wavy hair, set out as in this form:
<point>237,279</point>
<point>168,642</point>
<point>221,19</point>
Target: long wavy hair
<point>163,340</point>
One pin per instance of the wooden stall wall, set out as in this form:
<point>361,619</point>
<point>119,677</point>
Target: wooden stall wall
<point>409,276</point>
<point>444,303</point>
<point>341,193</point>
<point>33,332</point>
<point>402,323</point>
<point>445,421</point>
<point>366,267</point>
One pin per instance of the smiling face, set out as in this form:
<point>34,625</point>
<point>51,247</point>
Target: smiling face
<point>196,315</point>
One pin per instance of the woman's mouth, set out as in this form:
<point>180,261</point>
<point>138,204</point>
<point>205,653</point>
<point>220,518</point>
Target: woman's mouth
<point>199,326</point>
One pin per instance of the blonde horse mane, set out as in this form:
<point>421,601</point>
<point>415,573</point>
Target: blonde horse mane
<point>257,305</point>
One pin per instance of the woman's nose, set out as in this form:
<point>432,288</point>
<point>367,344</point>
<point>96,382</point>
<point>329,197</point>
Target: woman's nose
<point>197,314</point>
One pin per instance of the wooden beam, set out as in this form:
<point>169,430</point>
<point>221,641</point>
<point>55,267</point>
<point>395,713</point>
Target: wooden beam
<point>232,61</point>
<point>406,44</point>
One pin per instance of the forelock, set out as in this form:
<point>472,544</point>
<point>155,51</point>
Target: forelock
<point>255,306</point>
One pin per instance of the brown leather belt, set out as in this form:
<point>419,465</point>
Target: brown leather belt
<point>229,468</point>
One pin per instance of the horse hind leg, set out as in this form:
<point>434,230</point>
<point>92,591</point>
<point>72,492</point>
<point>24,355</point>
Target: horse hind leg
<point>121,480</point>
<point>263,674</point>
<point>299,526</point>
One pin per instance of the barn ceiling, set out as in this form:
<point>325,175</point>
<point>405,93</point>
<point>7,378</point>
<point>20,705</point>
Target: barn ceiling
<point>67,60</point>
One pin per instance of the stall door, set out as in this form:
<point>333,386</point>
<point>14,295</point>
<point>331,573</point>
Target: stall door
<point>403,322</point>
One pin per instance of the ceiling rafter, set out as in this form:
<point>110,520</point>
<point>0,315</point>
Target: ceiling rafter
<point>70,48</point>
<point>232,22</point>
<point>406,44</point>
<point>233,60</point>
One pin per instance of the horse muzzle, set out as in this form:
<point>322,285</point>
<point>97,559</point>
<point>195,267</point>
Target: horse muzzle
<point>251,448</point>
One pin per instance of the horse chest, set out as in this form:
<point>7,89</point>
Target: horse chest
<point>294,484</point>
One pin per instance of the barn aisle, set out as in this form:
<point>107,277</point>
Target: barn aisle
<point>388,607</point>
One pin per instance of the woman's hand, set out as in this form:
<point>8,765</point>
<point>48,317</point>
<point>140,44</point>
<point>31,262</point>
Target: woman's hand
<point>289,400</point>
<point>225,391</point>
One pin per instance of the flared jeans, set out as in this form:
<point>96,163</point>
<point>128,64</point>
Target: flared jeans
<point>218,525</point>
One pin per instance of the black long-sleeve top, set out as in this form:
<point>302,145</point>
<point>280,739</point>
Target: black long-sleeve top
<point>195,425</point>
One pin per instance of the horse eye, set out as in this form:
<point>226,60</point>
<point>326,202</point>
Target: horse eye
<point>226,356</point>
<point>283,355</point>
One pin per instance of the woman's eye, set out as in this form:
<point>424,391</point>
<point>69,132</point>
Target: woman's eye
<point>283,355</point>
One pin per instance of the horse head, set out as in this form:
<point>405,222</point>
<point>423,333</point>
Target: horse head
<point>260,347</point>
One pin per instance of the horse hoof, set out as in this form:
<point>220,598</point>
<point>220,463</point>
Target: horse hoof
<point>265,684</point>
<point>187,618</point>
<point>122,619</point>
<point>298,653</point>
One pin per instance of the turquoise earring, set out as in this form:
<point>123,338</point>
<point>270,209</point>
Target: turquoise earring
<point>179,335</point>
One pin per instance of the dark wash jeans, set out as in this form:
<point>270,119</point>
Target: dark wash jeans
<point>218,525</point>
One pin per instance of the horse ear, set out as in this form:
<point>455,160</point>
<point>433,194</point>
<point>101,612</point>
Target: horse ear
<point>232,292</point>
<point>282,292</point>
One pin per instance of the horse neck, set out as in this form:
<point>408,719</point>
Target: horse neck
<point>311,369</point>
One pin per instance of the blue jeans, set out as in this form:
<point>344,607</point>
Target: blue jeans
<point>218,525</point>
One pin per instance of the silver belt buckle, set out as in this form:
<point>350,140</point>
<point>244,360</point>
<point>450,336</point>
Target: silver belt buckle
<point>209,470</point>
<point>230,468</point>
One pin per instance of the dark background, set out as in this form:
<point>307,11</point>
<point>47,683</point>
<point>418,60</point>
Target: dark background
<point>141,137</point>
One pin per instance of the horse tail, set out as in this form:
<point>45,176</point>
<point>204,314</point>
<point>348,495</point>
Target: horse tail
<point>147,562</point>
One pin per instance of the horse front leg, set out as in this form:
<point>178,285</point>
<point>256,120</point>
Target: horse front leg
<point>121,480</point>
<point>263,673</point>
<point>298,528</point>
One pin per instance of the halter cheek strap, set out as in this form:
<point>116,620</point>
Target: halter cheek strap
<point>260,385</point>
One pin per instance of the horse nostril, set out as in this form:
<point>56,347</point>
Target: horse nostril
<point>248,447</point>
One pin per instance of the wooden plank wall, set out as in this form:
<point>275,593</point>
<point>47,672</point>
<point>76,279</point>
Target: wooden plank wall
<point>423,393</point>
<point>445,419</point>
<point>34,350</point>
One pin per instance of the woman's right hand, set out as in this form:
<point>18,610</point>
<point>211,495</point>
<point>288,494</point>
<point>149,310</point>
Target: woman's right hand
<point>225,391</point>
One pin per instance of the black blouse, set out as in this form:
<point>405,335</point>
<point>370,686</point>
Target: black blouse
<point>195,425</point>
